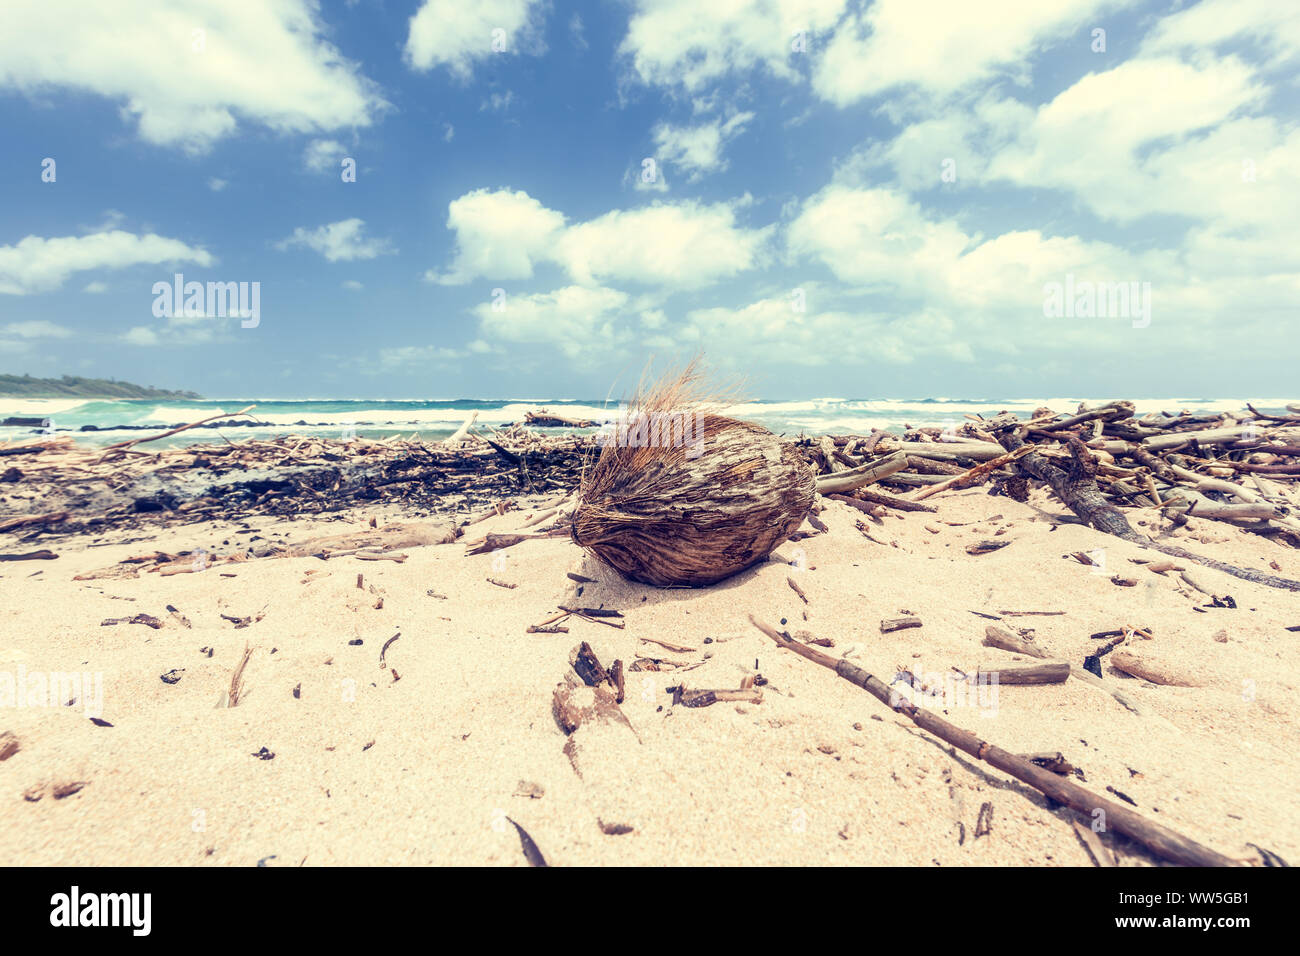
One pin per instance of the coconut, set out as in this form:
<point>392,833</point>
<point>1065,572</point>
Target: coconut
<point>682,495</point>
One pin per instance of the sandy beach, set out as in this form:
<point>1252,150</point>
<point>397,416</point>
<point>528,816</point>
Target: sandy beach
<point>427,758</point>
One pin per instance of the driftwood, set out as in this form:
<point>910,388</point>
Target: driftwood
<point>898,624</point>
<point>1147,668</point>
<point>995,636</point>
<point>864,475</point>
<point>178,430</point>
<point>699,697</point>
<point>1100,462</point>
<point>871,496</point>
<point>462,433</point>
<point>1046,672</point>
<point>82,487</point>
<point>1160,840</point>
<point>945,451</point>
<point>547,419</point>
<point>1076,486</point>
<point>976,474</point>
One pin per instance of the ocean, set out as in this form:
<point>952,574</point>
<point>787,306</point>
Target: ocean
<point>115,421</point>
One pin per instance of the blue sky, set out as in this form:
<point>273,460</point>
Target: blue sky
<point>852,199</point>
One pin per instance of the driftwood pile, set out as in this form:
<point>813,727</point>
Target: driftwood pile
<point>56,486</point>
<point>1240,471</point>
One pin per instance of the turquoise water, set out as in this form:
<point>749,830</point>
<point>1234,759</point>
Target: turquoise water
<point>436,419</point>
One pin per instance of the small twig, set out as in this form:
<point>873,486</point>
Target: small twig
<point>384,650</point>
<point>237,678</point>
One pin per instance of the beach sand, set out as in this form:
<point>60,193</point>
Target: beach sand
<point>425,766</point>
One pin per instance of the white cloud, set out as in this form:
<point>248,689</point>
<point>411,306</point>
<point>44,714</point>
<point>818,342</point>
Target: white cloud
<point>505,235</point>
<point>323,155</point>
<point>188,72</point>
<point>141,335</point>
<point>940,47</point>
<point>185,329</point>
<point>973,292</point>
<point>873,237</point>
<point>1148,135</point>
<point>95,288</point>
<point>578,320</point>
<point>340,241</point>
<point>767,327</point>
<point>684,245</point>
<point>352,285</point>
<point>216,185</point>
<point>39,329</point>
<point>1274,27</point>
<point>36,264</point>
<point>499,234</point>
<point>497,102</point>
<point>690,44</point>
<point>456,35</point>
<point>577,32</point>
<point>698,149</point>
<point>918,156</point>
<point>408,355</point>
<point>449,132</point>
<point>1137,140</point>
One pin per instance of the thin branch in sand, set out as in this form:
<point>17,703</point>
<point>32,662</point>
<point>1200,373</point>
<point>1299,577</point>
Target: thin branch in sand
<point>384,650</point>
<point>679,648</point>
<point>1160,840</point>
<point>237,678</point>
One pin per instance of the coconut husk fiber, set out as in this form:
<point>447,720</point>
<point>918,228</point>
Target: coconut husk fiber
<point>685,496</point>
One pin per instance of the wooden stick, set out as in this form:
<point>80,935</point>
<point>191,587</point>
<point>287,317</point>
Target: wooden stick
<point>166,434</point>
<point>699,697</point>
<point>679,648</point>
<point>1211,436</point>
<point>880,498</point>
<point>977,473</point>
<point>865,475</point>
<point>1160,840</point>
<point>944,450</point>
<point>237,679</point>
<point>462,433</point>
<point>890,625</point>
<point>1048,672</point>
<point>1156,671</point>
<point>997,637</point>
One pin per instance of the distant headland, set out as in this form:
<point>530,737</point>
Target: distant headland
<point>74,386</point>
